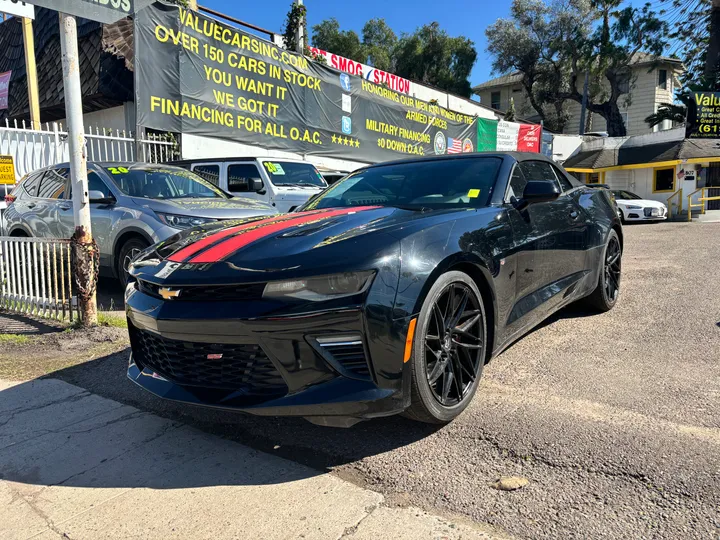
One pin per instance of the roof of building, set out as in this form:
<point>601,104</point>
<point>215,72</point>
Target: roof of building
<point>105,79</point>
<point>651,154</point>
<point>639,59</point>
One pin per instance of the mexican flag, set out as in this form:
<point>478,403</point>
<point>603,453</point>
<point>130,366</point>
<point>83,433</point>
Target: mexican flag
<point>508,136</point>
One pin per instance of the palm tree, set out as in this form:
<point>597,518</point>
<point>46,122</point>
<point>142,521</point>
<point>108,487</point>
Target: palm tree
<point>667,111</point>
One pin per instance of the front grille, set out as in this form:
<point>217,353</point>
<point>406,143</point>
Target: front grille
<point>349,354</point>
<point>230,366</point>
<point>209,293</point>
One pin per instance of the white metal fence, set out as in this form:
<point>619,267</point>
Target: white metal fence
<point>36,277</point>
<point>33,149</point>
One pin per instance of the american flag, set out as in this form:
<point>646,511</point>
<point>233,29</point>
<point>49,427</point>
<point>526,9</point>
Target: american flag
<point>454,146</point>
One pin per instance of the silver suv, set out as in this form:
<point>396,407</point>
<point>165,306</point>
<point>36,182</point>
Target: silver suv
<point>132,206</point>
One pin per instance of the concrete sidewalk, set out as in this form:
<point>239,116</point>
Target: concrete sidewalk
<point>75,465</point>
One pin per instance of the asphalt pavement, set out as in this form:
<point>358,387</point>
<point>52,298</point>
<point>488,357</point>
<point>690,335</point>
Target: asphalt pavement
<point>614,419</point>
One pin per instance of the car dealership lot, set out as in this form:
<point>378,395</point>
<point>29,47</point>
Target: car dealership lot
<point>614,418</point>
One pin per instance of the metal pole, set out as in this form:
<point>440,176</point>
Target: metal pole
<point>78,158</point>
<point>583,110</point>
<point>31,72</point>
<point>300,31</point>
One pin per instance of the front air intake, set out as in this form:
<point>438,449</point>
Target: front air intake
<point>347,354</point>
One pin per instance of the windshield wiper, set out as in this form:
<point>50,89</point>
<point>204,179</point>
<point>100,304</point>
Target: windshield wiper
<point>412,208</point>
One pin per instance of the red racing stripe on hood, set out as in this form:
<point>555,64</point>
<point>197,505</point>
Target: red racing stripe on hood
<point>262,230</point>
<point>185,253</point>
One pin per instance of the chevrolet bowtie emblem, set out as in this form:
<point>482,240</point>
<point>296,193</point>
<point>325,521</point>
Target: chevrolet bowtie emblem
<point>168,294</point>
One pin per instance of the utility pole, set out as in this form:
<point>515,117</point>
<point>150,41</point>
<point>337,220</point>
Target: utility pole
<point>192,4</point>
<point>31,70</point>
<point>300,37</point>
<point>583,110</point>
<point>84,249</point>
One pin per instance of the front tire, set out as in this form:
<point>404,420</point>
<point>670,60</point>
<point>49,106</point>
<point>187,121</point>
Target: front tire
<point>128,252</point>
<point>449,350</point>
<point>606,294</point>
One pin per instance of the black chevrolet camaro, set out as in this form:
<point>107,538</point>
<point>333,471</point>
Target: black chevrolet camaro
<point>387,293</point>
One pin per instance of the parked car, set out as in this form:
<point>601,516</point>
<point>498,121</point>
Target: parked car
<point>634,208</point>
<point>331,176</point>
<point>598,186</point>
<point>133,205</point>
<point>387,293</point>
<point>283,183</point>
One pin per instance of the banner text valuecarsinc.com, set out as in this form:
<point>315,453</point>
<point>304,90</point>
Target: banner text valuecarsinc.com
<point>221,82</point>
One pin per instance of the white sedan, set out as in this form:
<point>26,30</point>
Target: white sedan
<point>634,208</point>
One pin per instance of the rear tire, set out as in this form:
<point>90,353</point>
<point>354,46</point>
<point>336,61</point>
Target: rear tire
<point>128,252</point>
<point>607,292</point>
<point>449,350</point>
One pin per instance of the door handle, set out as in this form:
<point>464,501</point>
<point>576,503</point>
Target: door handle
<point>64,207</point>
<point>574,215</point>
<point>31,205</point>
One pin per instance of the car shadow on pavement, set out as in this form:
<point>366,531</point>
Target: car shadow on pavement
<point>52,433</point>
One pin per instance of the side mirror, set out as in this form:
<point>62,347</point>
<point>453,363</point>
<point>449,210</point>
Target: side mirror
<point>98,197</point>
<point>538,191</point>
<point>256,185</point>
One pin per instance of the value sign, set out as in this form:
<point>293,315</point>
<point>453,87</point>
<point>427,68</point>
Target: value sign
<point>704,116</point>
<point>104,11</point>
<point>17,8</point>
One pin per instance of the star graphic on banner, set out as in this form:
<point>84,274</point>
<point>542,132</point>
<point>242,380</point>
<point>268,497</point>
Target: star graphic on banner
<point>334,139</point>
<point>357,143</point>
<point>345,141</point>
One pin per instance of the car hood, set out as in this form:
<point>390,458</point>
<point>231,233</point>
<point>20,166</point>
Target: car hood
<point>208,208</point>
<point>645,203</point>
<point>299,244</point>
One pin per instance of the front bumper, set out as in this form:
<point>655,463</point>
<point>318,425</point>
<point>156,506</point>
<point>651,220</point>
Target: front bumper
<point>306,380</point>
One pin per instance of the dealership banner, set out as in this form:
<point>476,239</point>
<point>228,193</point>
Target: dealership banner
<point>704,116</point>
<point>504,136</point>
<point>197,75</point>
<point>4,89</point>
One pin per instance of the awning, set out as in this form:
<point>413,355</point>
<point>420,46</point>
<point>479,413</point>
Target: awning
<point>650,155</point>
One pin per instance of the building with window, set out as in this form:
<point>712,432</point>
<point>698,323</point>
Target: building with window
<point>654,81</point>
<point>654,166</point>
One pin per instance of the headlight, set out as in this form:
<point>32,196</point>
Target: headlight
<point>320,288</point>
<point>633,207</point>
<point>183,222</point>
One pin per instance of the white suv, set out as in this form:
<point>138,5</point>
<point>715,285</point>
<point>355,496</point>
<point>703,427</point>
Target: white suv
<point>283,183</point>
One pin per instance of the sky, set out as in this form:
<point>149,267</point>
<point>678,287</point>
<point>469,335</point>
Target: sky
<point>457,17</point>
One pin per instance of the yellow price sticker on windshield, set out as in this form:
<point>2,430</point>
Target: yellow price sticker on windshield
<point>474,193</point>
<point>118,170</point>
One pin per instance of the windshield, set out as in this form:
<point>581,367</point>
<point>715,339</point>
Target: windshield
<point>447,183</point>
<point>287,173</point>
<point>622,194</point>
<point>162,183</point>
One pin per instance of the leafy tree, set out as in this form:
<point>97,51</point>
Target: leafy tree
<point>428,55</point>
<point>296,17</point>
<point>379,41</point>
<point>328,36</point>
<point>569,38</point>
<point>431,56</point>
<point>696,40</point>
<point>510,113</point>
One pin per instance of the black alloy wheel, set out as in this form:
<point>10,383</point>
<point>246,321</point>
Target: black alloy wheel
<point>607,292</point>
<point>613,261</point>
<point>449,349</point>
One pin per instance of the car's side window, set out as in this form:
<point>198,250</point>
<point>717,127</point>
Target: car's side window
<point>95,183</point>
<point>540,171</point>
<point>239,176</point>
<point>53,184</point>
<point>564,182</point>
<point>516,188</point>
<point>209,172</point>
<point>31,183</point>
